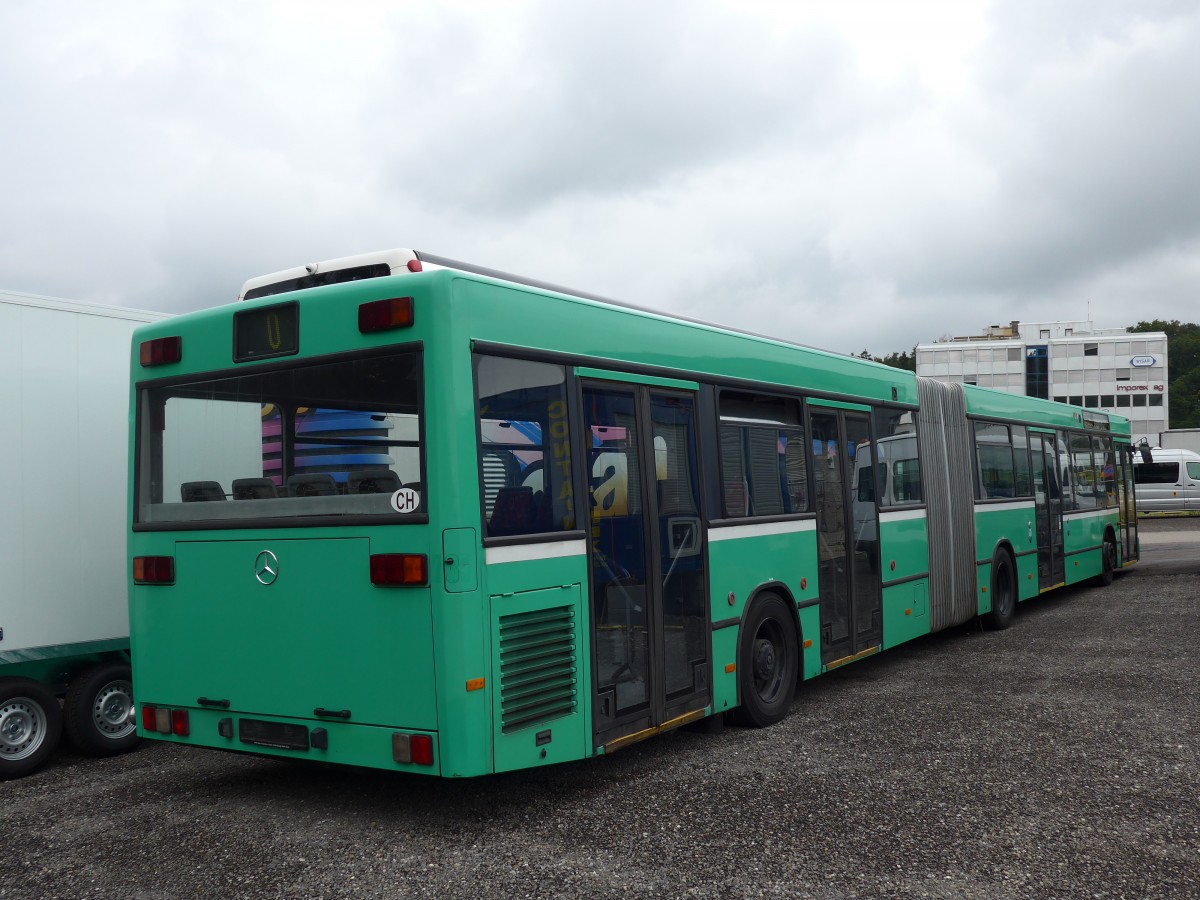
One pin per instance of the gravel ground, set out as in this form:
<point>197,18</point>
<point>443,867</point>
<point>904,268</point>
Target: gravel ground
<point>1055,759</point>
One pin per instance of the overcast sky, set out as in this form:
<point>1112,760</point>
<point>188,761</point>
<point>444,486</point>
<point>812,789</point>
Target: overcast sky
<point>844,174</point>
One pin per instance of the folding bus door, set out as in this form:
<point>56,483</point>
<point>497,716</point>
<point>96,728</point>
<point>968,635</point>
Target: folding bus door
<point>847,535</point>
<point>1048,509</point>
<point>1127,501</point>
<point>650,623</point>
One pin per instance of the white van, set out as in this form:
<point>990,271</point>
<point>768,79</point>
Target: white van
<point>1171,482</point>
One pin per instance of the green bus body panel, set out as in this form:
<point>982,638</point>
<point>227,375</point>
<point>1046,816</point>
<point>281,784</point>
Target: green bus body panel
<point>904,543</point>
<point>557,738</point>
<point>321,636</point>
<point>741,566</point>
<point>1083,537</point>
<point>992,404</point>
<point>1002,524</point>
<point>610,335</point>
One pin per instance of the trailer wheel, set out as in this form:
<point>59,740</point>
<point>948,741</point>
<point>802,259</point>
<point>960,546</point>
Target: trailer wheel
<point>768,662</point>
<point>30,725</point>
<point>99,710</point>
<point>1004,592</point>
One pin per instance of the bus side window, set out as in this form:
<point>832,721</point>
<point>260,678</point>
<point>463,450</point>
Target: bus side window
<point>525,448</point>
<point>897,450</point>
<point>993,449</point>
<point>764,469</point>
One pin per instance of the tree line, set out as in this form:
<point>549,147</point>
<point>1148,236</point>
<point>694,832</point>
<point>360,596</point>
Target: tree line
<point>1183,361</point>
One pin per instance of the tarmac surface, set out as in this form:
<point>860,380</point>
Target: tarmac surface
<point>1055,759</point>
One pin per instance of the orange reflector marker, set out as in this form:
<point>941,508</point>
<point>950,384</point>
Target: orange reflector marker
<point>731,667</point>
<point>399,569</point>
<point>154,570</point>
<point>385,315</point>
<point>983,589</point>
<point>808,643</point>
<point>161,351</point>
<point>476,684</point>
<point>908,612</point>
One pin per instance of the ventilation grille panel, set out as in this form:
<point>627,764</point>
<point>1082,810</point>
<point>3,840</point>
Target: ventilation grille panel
<point>538,667</point>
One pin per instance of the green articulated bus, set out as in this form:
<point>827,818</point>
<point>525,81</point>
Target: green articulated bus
<point>401,512</point>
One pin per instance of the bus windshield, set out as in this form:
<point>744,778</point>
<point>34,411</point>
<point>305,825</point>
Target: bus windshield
<point>339,438</point>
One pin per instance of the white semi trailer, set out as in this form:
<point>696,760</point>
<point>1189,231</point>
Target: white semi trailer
<point>64,621</point>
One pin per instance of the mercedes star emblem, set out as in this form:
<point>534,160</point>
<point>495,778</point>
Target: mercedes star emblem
<point>266,567</point>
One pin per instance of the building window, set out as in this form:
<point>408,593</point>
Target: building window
<point>1060,399</point>
<point>1156,399</point>
<point>1091,349</point>
<point>970,379</point>
<point>1077,399</point>
<point>1091,401</point>
<point>1014,354</point>
<point>1139,399</point>
<point>1037,377</point>
<point>1122,374</point>
<point>1106,400</point>
<point>1122,400</point>
<point>1044,334</point>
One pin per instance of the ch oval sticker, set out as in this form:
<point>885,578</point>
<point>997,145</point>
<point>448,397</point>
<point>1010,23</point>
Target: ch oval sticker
<point>406,500</point>
<point>266,567</point>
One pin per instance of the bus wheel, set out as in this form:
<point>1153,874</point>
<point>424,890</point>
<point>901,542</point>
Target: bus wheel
<point>1108,562</point>
<point>768,662</point>
<point>99,710</point>
<point>30,724</point>
<point>1004,592</point>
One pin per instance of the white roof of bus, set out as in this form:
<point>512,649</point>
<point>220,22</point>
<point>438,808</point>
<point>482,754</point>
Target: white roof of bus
<point>396,259</point>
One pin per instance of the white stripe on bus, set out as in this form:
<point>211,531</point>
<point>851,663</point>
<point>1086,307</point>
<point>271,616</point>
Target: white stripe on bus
<point>903,515</point>
<point>528,552</point>
<point>997,507</point>
<point>761,529</point>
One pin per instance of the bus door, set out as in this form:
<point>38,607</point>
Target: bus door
<point>1047,490</point>
<point>847,529</point>
<point>649,605</point>
<point>1127,504</point>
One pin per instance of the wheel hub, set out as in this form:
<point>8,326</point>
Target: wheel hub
<point>764,659</point>
<point>111,710</point>
<point>19,728</point>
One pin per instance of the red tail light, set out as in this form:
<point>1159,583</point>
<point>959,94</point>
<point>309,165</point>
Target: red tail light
<point>161,351</point>
<point>179,722</point>
<point>154,570</point>
<point>149,718</point>
<point>399,569</point>
<point>422,749</point>
<point>384,315</point>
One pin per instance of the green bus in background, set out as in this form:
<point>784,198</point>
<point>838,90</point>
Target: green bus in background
<point>401,512</point>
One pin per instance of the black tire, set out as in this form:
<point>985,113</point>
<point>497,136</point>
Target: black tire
<point>768,662</point>
<point>97,711</point>
<point>1108,562</point>
<point>1004,592</point>
<point>30,725</point>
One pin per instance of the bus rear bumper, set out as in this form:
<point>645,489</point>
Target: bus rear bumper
<point>345,743</point>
